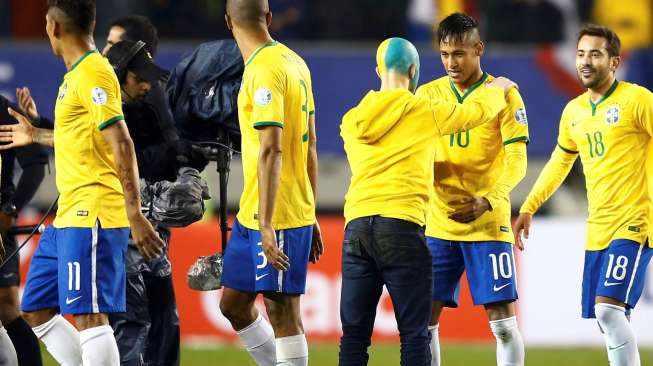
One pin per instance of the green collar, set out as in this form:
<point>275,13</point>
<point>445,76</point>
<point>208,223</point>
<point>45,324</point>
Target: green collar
<point>476,85</point>
<point>82,59</point>
<point>607,94</point>
<point>259,50</point>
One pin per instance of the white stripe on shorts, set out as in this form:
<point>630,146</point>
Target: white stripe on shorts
<point>632,276</point>
<point>94,235</point>
<point>280,276</point>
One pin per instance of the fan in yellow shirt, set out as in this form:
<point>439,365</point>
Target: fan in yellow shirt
<point>468,225</point>
<point>390,145</point>
<point>610,127</point>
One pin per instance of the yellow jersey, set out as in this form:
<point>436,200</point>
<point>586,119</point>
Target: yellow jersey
<point>88,101</point>
<point>613,139</point>
<point>471,163</point>
<point>389,140</point>
<point>276,91</point>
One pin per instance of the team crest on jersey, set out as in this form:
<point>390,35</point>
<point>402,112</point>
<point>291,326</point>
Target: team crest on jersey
<point>262,97</point>
<point>612,115</point>
<point>99,96</point>
<point>520,116</point>
<point>62,91</point>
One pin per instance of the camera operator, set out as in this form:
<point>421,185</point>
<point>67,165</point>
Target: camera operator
<point>13,198</point>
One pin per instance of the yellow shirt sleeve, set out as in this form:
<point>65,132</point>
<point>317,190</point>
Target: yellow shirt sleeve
<point>645,112</point>
<point>455,117</point>
<point>514,122</point>
<point>554,173</point>
<point>565,142</point>
<point>100,95</point>
<point>267,90</point>
<point>514,171</point>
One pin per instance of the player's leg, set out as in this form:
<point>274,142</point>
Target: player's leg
<point>20,333</point>
<point>40,304</point>
<point>7,351</point>
<point>361,290</point>
<point>92,284</point>
<point>619,284</point>
<point>237,302</point>
<point>282,291</point>
<point>448,266</point>
<point>492,278</point>
<point>406,268</point>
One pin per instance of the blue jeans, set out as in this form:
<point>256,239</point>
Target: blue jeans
<point>381,251</point>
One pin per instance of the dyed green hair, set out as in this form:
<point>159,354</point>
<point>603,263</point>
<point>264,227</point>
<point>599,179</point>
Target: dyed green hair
<point>397,54</point>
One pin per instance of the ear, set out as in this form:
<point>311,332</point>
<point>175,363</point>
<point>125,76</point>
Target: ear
<point>615,62</point>
<point>57,29</point>
<point>377,72</point>
<point>480,48</point>
<point>268,18</point>
<point>227,19</point>
<point>411,71</point>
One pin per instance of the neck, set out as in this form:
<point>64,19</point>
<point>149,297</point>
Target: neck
<point>250,40</point>
<point>74,48</point>
<point>394,80</point>
<point>599,92</point>
<point>467,84</point>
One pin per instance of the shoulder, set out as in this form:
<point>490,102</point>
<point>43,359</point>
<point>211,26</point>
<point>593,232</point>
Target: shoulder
<point>433,87</point>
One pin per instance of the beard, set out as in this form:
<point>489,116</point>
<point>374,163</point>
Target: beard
<point>596,80</point>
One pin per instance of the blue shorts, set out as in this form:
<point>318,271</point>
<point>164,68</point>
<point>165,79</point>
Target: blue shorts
<point>490,267</point>
<point>246,268</point>
<point>78,271</point>
<point>617,271</point>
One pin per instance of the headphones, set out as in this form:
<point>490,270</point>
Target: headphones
<point>120,67</point>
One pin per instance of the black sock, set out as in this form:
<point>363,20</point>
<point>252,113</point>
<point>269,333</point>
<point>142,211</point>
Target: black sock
<point>25,342</point>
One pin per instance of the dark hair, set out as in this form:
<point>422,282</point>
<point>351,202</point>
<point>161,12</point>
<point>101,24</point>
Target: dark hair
<point>613,42</point>
<point>139,28</point>
<point>80,13</point>
<point>455,27</point>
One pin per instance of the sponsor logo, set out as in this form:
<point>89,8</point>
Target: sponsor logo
<point>261,276</point>
<point>612,115</point>
<point>497,289</point>
<point>520,116</point>
<point>633,228</point>
<point>504,229</point>
<point>608,284</point>
<point>617,347</point>
<point>99,96</point>
<point>262,97</point>
<point>82,213</point>
<point>70,301</point>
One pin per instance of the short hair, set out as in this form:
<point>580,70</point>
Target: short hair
<point>455,27</point>
<point>612,39</point>
<point>138,28</point>
<point>80,15</point>
<point>247,11</point>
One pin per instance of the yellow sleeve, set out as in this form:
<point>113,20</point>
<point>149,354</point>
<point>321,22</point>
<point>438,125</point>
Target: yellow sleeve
<point>514,171</point>
<point>513,119</point>
<point>565,142</point>
<point>645,112</point>
<point>99,93</point>
<point>453,117</point>
<point>311,100</point>
<point>554,173</point>
<point>267,88</point>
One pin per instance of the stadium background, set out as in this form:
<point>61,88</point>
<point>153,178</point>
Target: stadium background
<point>532,42</point>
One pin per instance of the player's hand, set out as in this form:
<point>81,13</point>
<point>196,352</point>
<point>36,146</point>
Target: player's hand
<point>18,134</point>
<point>522,225</point>
<point>145,238</point>
<point>503,83</point>
<point>472,208</point>
<point>274,255</point>
<point>26,102</point>
<point>6,222</point>
<point>317,245</point>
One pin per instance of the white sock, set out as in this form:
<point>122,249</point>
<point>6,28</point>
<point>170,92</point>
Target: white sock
<point>61,339</point>
<point>292,351</point>
<point>510,346</point>
<point>99,347</point>
<point>435,344</point>
<point>7,351</point>
<point>618,334</point>
<point>258,339</point>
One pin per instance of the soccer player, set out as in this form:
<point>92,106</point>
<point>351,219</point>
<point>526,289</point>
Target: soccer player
<point>468,226</point>
<point>389,140</point>
<point>610,127</point>
<point>276,232</point>
<point>78,267</point>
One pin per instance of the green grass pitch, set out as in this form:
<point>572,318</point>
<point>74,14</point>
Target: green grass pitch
<point>386,354</point>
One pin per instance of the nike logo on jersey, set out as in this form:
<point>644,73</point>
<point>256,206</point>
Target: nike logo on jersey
<point>261,276</point>
<point>70,301</point>
<point>617,347</point>
<point>496,289</point>
<point>608,284</point>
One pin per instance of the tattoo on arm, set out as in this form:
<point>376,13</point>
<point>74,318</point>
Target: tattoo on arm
<point>43,136</point>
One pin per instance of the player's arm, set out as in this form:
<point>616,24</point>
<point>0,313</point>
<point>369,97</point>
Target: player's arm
<point>143,234</point>
<point>455,117</point>
<point>23,133</point>
<point>645,112</point>
<point>317,247</point>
